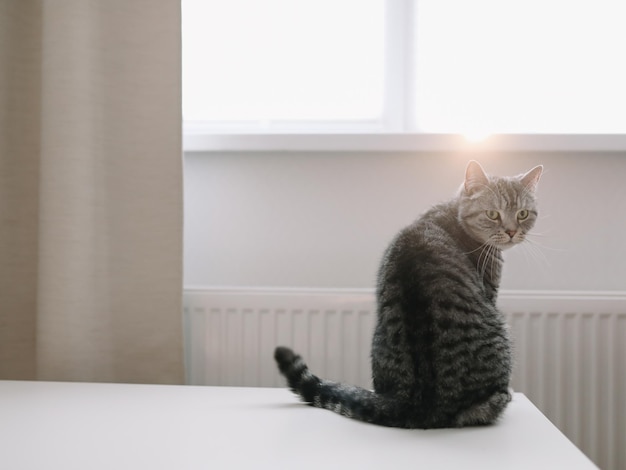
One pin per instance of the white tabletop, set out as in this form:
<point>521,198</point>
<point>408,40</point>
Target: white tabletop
<point>50,425</point>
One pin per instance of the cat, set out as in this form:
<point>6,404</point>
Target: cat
<point>441,353</point>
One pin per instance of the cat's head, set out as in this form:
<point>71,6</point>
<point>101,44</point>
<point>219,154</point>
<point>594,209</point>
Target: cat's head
<point>495,210</point>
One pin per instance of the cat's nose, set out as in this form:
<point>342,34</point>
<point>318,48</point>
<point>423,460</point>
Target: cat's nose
<point>510,233</point>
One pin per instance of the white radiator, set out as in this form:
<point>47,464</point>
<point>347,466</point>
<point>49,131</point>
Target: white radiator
<point>570,349</point>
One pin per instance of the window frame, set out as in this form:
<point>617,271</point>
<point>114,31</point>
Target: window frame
<point>403,142</point>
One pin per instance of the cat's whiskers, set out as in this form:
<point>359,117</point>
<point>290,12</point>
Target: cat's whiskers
<point>527,255</point>
<point>492,254</point>
<point>484,261</point>
<point>481,264</point>
<point>535,234</point>
<point>474,251</point>
<point>534,250</point>
<point>487,258</point>
<point>540,245</point>
<point>496,262</point>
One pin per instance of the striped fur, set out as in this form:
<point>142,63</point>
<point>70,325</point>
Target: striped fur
<point>441,354</point>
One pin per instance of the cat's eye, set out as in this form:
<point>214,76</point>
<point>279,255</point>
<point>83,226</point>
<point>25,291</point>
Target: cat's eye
<point>523,214</point>
<point>493,215</point>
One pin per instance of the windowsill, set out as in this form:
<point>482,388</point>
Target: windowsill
<point>404,142</point>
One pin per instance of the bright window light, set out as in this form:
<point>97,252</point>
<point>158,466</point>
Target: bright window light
<point>261,62</point>
<point>520,66</point>
<point>475,67</point>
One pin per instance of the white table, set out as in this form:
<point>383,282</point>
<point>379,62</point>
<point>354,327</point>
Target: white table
<point>51,425</point>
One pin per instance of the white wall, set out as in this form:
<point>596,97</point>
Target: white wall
<point>304,219</point>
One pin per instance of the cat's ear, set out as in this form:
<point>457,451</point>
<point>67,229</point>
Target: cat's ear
<point>530,179</point>
<point>475,177</point>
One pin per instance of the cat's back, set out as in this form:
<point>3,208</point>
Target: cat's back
<point>428,257</point>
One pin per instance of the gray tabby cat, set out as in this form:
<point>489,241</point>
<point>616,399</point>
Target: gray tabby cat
<point>441,355</point>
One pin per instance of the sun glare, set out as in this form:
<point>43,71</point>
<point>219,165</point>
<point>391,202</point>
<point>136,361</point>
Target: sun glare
<point>475,136</point>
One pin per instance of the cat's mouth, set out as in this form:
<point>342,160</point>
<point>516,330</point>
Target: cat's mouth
<point>504,240</point>
<point>508,242</point>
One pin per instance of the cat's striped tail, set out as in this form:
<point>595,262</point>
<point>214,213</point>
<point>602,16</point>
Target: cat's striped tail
<point>351,401</point>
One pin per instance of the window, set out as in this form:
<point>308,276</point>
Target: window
<point>521,66</point>
<point>262,65</point>
<point>411,67</point>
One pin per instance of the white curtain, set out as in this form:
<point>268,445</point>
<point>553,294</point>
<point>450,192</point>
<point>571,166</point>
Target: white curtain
<point>90,190</point>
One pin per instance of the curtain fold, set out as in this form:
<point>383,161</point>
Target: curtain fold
<point>90,190</point>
